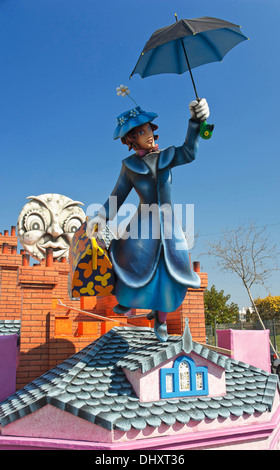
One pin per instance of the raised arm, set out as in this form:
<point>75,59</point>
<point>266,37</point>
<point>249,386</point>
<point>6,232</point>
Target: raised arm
<point>186,153</point>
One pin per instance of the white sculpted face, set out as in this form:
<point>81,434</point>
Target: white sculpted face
<point>49,220</point>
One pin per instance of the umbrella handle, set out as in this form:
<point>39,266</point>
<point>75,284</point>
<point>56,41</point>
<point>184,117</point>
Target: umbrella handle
<point>206,130</point>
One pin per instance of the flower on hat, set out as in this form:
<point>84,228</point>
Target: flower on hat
<point>121,120</point>
<point>134,112</point>
<point>123,90</point>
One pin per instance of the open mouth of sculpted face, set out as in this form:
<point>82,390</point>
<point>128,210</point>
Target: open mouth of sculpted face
<point>59,249</point>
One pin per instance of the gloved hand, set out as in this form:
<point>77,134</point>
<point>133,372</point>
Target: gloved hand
<point>95,226</point>
<point>199,110</point>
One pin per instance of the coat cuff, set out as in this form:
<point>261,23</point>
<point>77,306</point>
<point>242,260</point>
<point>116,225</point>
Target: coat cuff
<point>192,133</point>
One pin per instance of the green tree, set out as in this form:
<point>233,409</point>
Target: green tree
<point>217,309</point>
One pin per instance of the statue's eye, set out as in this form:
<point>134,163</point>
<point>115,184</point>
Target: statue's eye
<point>34,222</point>
<point>72,225</point>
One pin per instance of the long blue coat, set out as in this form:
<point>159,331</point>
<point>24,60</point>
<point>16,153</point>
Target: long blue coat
<point>135,259</point>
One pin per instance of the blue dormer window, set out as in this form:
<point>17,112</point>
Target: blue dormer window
<point>184,379</point>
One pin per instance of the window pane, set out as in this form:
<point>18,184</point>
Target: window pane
<point>199,381</point>
<point>169,383</point>
<point>184,377</point>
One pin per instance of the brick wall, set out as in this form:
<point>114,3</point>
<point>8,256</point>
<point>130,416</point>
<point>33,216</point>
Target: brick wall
<point>50,333</point>
<point>10,298</point>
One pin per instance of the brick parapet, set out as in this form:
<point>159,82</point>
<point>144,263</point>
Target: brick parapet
<point>39,276</point>
<point>10,260</point>
<point>9,241</point>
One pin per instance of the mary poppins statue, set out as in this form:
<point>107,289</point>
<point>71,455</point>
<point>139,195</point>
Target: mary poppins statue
<point>151,263</point>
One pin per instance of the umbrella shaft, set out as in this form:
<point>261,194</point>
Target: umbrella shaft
<point>194,87</point>
<point>186,56</point>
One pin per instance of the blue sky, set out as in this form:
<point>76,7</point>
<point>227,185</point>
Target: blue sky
<point>61,61</point>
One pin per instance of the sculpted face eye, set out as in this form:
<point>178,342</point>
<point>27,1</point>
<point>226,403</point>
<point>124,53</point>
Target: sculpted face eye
<point>34,222</point>
<point>72,224</point>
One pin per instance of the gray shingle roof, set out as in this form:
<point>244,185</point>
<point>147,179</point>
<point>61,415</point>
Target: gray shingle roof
<point>92,385</point>
<point>9,327</point>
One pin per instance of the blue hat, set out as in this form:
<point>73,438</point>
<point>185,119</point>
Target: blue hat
<point>130,119</point>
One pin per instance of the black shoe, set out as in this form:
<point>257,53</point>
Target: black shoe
<point>121,309</point>
<point>151,315</point>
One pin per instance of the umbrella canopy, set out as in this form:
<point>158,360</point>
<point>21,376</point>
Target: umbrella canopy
<point>203,40</point>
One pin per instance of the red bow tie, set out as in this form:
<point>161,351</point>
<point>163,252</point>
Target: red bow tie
<point>143,152</point>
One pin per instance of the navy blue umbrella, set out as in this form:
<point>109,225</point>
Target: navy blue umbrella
<point>187,44</point>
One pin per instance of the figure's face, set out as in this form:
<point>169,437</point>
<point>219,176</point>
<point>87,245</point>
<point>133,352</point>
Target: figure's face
<point>49,220</point>
<point>144,137</point>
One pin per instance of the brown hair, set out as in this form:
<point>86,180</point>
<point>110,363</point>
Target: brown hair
<point>130,138</point>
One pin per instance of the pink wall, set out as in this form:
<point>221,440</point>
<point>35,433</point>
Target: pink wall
<point>249,346</point>
<point>50,428</point>
<point>8,365</point>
